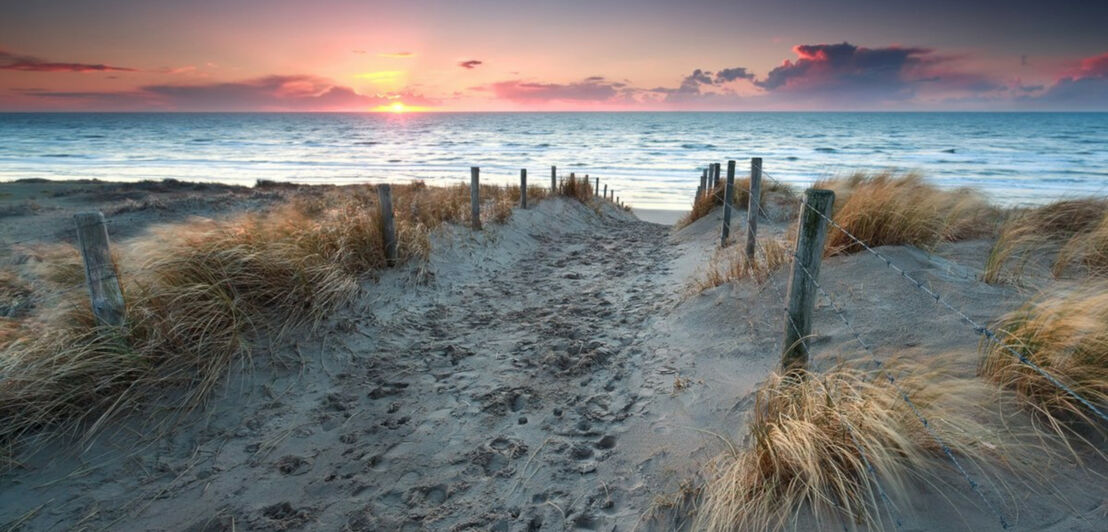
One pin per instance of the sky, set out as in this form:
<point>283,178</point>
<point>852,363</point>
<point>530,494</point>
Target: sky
<point>553,55</point>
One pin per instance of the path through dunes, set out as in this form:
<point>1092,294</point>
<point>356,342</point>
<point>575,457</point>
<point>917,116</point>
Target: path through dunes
<point>492,390</point>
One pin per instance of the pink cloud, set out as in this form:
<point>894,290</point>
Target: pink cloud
<point>594,89</point>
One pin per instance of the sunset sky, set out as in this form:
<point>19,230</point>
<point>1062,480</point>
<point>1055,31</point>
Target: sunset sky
<point>485,55</point>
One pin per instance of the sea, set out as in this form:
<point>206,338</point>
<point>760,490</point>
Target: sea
<point>652,160</point>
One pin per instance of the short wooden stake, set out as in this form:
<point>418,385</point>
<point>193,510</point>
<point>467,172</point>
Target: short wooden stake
<point>475,197</point>
<point>523,188</point>
<point>728,193</point>
<point>811,236</point>
<point>553,178</point>
<point>104,291</point>
<point>753,207</point>
<point>388,225</point>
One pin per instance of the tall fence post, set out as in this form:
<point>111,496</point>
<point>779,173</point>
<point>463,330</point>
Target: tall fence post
<point>523,188</point>
<point>753,206</point>
<point>703,183</point>
<point>104,291</point>
<point>388,225</point>
<point>810,238</point>
<point>715,176</point>
<point>728,193</point>
<point>596,191</point>
<point>605,191</point>
<point>553,179</point>
<point>475,197</point>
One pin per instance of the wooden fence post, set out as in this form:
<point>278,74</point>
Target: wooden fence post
<point>810,238</point>
<point>553,179</point>
<point>523,188</point>
<point>715,176</point>
<point>104,291</point>
<point>596,191</point>
<point>753,207</point>
<point>728,193</point>
<point>475,197</point>
<point>703,183</point>
<point>605,191</point>
<point>388,225</point>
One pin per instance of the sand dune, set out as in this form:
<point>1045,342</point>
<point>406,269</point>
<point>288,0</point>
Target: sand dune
<point>552,373</point>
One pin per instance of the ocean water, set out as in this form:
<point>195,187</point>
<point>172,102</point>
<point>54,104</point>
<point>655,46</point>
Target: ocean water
<point>651,159</point>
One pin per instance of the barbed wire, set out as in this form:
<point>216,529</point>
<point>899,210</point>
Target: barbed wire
<point>977,327</point>
<point>904,395</point>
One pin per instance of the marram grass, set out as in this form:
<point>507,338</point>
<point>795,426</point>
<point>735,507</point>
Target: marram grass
<point>1073,232</point>
<point>812,435</point>
<point>197,294</point>
<point>1066,336</point>
<point>890,209</point>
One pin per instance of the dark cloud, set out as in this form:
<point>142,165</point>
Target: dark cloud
<point>1087,88</point>
<point>26,63</point>
<point>595,89</point>
<point>845,66</point>
<point>270,93</point>
<point>470,64</point>
<point>732,74</point>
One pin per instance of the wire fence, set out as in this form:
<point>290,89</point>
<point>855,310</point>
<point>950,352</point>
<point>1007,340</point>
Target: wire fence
<point>989,335</point>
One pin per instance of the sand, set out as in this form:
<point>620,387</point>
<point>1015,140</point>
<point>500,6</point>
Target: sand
<point>552,373</point>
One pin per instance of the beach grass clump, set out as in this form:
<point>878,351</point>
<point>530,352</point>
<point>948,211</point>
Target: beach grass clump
<point>198,294</point>
<point>731,264</point>
<point>740,199</point>
<point>902,209</point>
<point>814,436</point>
<point>1065,233</point>
<point>1066,336</point>
<point>576,187</point>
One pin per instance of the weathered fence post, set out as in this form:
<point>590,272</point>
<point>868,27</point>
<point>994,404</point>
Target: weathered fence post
<point>811,235</point>
<point>605,191</point>
<point>715,176</point>
<point>388,226</point>
<point>553,179</point>
<point>703,183</point>
<point>475,197</point>
<point>596,191</point>
<point>523,188</point>
<point>753,207</point>
<point>103,284</point>
<point>728,193</point>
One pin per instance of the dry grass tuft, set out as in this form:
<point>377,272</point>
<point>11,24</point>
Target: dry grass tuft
<point>197,293</point>
<point>576,187</point>
<point>731,264</point>
<point>1066,336</point>
<point>740,200</point>
<point>889,209</point>
<point>1075,231</point>
<point>806,435</point>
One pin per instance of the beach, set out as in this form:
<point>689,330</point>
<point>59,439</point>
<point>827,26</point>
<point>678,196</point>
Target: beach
<point>557,371</point>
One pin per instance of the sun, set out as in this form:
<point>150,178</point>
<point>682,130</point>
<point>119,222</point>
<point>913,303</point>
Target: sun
<point>398,107</point>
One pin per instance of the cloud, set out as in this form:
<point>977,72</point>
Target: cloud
<point>591,89</point>
<point>396,55</point>
<point>470,64</point>
<point>269,93</point>
<point>1085,88</point>
<point>732,74</point>
<point>26,63</point>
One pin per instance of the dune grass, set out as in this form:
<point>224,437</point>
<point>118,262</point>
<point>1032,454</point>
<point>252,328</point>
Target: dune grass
<point>812,435</point>
<point>576,187</point>
<point>740,198</point>
<point>902,209</point>
<point>1073,232</point>
<point>1065,335</point>
<point>197,294</point>
<point>731,264</point>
